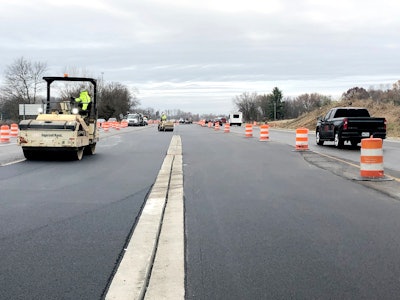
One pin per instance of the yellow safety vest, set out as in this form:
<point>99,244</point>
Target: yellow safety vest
<point>84,98</point>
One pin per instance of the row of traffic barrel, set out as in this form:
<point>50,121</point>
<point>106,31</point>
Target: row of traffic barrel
<point>301,133</point>
<point>264,129</point>
<point>106,126</point>
<point>371,158</point>
<point>7,132</point>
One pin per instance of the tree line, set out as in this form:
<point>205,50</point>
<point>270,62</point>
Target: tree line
<point>274,106</point>
<point>24,84</point>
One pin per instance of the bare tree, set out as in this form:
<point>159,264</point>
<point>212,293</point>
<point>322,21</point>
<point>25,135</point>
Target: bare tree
<point>116,99</point>
<point>312,101</point>
<point>23,80</point>
<point>356,93</point>
<point>396,85</point>
<point>248,105</point>
<point>263,103</point>
<point>72,89</point>
<point>294,107</point>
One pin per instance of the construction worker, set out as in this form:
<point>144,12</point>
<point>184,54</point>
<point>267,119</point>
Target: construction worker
<point>163,117</point>
<point>83,100</point>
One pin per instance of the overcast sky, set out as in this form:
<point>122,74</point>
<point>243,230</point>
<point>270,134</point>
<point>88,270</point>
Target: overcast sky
<point>197,55</point>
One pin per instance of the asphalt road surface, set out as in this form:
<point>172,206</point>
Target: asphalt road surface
<point>262,221</point>
<point>64,224</point>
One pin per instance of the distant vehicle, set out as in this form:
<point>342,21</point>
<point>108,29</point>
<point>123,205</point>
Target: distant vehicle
<point>135,120</point>
<point>352,124</point>
<point>188,121</point>
<point>167,125</point>
<point>236,118</point>
<point>181,121</point>
<point>217,121</point>
<point>145,120</point>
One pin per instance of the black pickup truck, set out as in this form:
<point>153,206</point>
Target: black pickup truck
<point>352,124</point>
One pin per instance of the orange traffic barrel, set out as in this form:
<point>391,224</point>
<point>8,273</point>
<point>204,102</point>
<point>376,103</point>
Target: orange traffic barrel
<point>249,130</point>
<point>117,125</point>
<point>227,128</point>
<point>209,124</point>
<point>264,133</point>
<point>254,123</point>
<point>216,127</point>
<point>301,139</point>
<point>371,159</point>
<point>4,134</point>
<point>14,130</point>
<point>106,126</point>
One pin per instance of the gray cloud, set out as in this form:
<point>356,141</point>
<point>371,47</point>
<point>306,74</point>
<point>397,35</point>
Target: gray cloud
<point>198,55</point>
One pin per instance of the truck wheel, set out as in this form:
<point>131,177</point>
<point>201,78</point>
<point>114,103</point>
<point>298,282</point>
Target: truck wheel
<point>318,139</point>
<point>90,150</point>
<point>354,143</point>
<point>79,154</point>
<point>339,143</point>
<point>29,154</point>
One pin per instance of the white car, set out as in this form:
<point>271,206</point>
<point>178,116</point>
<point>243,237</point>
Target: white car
<point>135,120</point>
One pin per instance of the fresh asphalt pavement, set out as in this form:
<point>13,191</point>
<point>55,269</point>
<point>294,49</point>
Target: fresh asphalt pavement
<point>264,223</point>
<point>64,224</point>
<point>261,221</point>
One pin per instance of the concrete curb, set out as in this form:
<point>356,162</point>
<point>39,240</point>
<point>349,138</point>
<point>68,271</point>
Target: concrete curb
<point>131,279</point>
<point>167,280</point>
